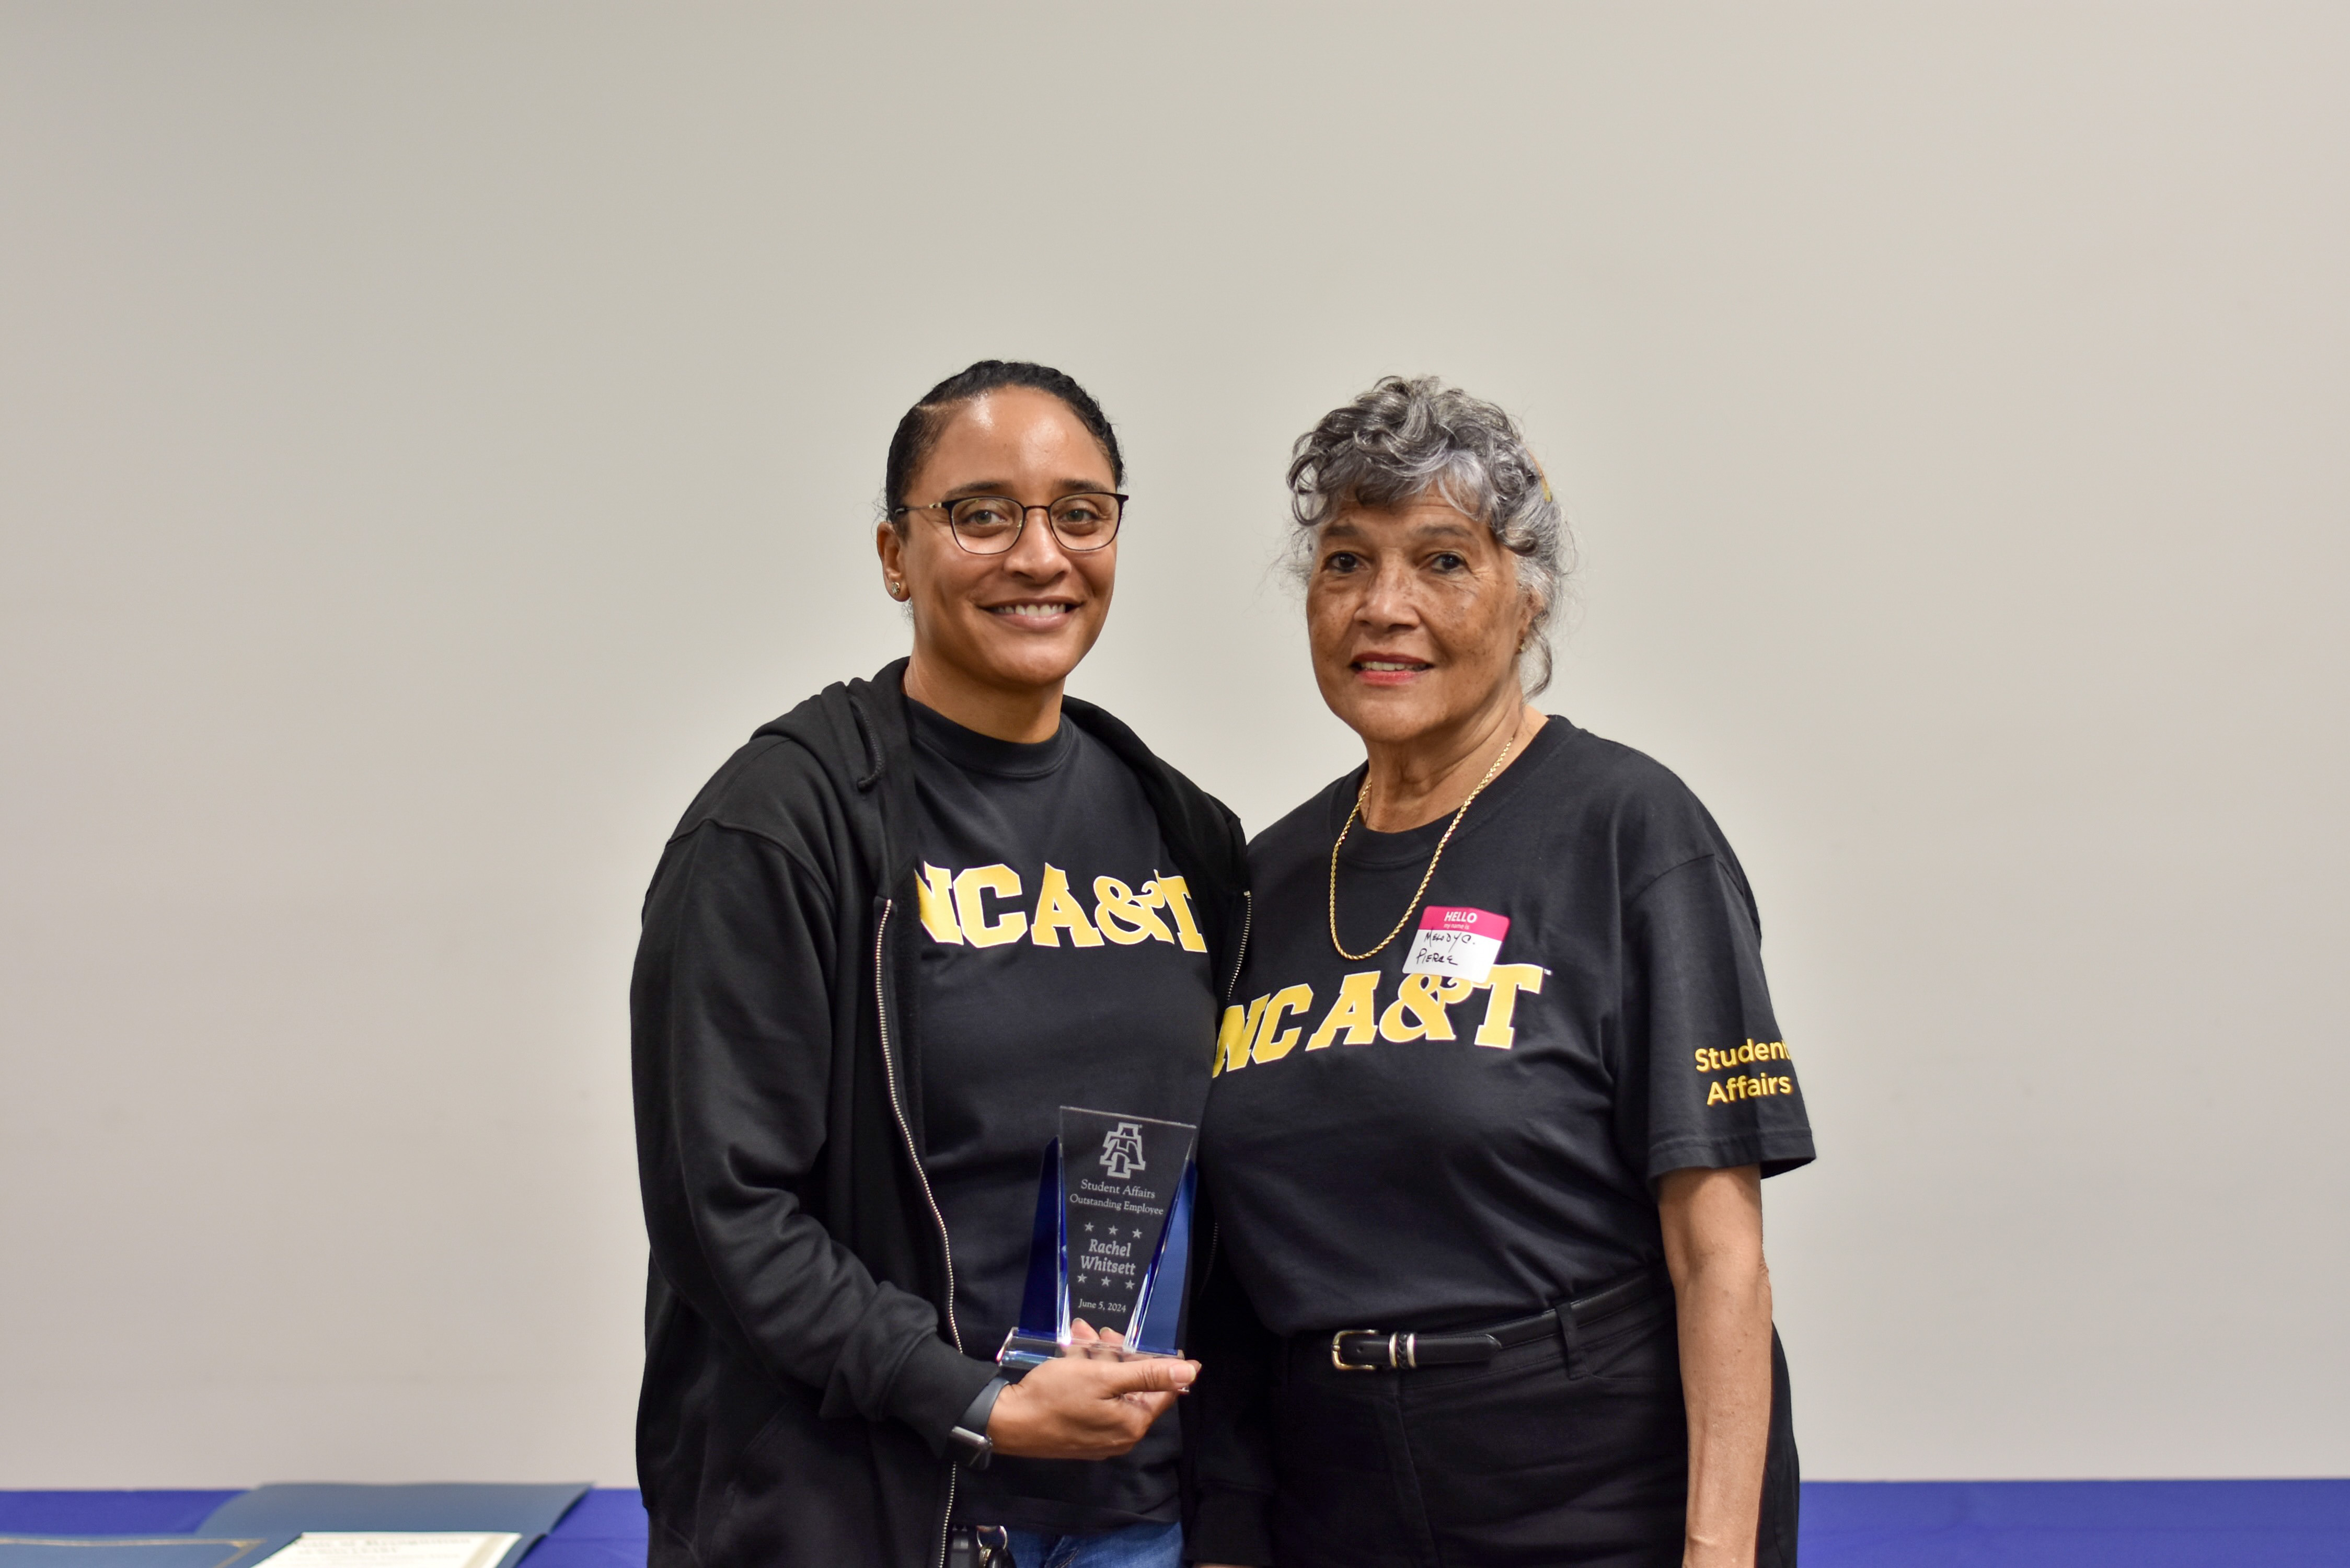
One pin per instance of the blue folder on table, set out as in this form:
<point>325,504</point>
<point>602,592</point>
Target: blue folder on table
<point>199,1551</point>
<point>284,1512</point>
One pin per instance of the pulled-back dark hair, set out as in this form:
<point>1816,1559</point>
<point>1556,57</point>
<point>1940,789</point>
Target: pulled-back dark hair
<point>919,431</point>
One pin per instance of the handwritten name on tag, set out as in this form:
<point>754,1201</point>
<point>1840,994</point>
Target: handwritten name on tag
<point>1462,943</point>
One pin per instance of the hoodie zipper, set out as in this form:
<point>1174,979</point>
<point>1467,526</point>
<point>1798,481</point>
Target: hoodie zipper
<point>946,1248</point>
<point>1240,954</point>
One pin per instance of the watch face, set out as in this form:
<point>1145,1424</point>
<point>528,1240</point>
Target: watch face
<point>977,1447</point>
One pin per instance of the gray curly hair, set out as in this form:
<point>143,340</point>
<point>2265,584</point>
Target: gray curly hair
<point>1407,437</point>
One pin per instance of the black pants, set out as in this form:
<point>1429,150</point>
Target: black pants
<point>1571,1449</point>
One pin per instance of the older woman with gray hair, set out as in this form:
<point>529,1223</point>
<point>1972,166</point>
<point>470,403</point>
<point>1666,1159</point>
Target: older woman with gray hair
<point>1498,1088</point>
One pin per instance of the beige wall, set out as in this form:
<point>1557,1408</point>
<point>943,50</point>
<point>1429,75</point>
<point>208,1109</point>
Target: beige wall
<point>431,435</point>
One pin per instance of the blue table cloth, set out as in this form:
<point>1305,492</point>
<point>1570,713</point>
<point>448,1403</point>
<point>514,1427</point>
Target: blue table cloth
<point>2076,1524</point>
<point>1847,1524</point>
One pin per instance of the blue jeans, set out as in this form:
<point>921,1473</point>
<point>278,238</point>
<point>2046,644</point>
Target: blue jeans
<point>1136,1546</point>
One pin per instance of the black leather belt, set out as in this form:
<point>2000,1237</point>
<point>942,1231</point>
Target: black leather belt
<point>1377,1350</point>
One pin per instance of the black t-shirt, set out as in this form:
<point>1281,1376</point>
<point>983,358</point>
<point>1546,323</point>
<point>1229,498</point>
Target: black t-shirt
<point>1469,1144</point>
<point>1062,964</point>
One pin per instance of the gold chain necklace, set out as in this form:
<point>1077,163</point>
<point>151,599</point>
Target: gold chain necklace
<point>1365,794</point>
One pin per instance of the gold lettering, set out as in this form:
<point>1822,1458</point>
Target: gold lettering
<point>969,886</point>
<point>1059,911</point>
<point>1746,1088</point>
<point>1506,979</point>
<point>1418,1011</point>
<point>934,895</point>
<point>1232,1039</point>
<point>1125,918</point>
<point>1709,1060</point>
<point>1239,1031</point>
<point>1171,894</point>
<point>1356,1012</point>
<point>1272,1047</point>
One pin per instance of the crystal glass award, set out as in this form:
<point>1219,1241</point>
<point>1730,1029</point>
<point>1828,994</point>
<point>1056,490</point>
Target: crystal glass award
<point>1112,1238</point>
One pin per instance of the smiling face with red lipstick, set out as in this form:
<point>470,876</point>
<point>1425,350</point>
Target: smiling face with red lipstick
<point>996,634</point>
<point>1417,617</point>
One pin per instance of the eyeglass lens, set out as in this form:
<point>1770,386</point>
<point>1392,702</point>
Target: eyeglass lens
<point>987,524</point>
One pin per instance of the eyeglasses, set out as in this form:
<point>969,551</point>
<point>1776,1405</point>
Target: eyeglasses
<point>990,524</point>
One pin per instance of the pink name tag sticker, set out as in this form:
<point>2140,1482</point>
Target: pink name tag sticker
<point>1460,944</point>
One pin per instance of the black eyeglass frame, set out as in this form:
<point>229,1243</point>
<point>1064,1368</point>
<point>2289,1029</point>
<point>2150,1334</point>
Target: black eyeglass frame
<point>946,508</point>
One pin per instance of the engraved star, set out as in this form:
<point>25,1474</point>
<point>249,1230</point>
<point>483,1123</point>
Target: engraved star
<point>1089,1224</point>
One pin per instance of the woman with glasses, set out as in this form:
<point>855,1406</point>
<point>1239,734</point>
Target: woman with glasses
<point>897,930</point>
<point>1497,1090</point>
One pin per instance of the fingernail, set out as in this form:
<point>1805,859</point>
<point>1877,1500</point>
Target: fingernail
<point>1182,1372</point>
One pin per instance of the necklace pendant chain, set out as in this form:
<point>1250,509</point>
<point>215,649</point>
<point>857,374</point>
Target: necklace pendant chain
<point>1425,877</point>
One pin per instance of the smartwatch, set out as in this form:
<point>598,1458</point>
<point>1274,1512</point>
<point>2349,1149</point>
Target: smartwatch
<point>970,1434</point>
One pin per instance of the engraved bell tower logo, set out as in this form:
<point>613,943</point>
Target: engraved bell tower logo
<point>1121,1152</point>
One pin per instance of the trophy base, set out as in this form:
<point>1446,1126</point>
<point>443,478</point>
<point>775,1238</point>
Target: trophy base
<point>1022,1352</point>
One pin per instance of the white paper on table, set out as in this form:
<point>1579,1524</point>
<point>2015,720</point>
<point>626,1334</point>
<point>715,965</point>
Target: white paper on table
<point>378,1549</point>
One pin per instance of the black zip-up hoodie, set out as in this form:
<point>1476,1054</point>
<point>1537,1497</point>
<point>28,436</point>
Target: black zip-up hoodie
<point>802,1367</point>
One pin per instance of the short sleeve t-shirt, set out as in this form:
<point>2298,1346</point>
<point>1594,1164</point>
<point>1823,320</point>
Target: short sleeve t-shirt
<point>1061,963</point>
<point>1478,1140</point>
